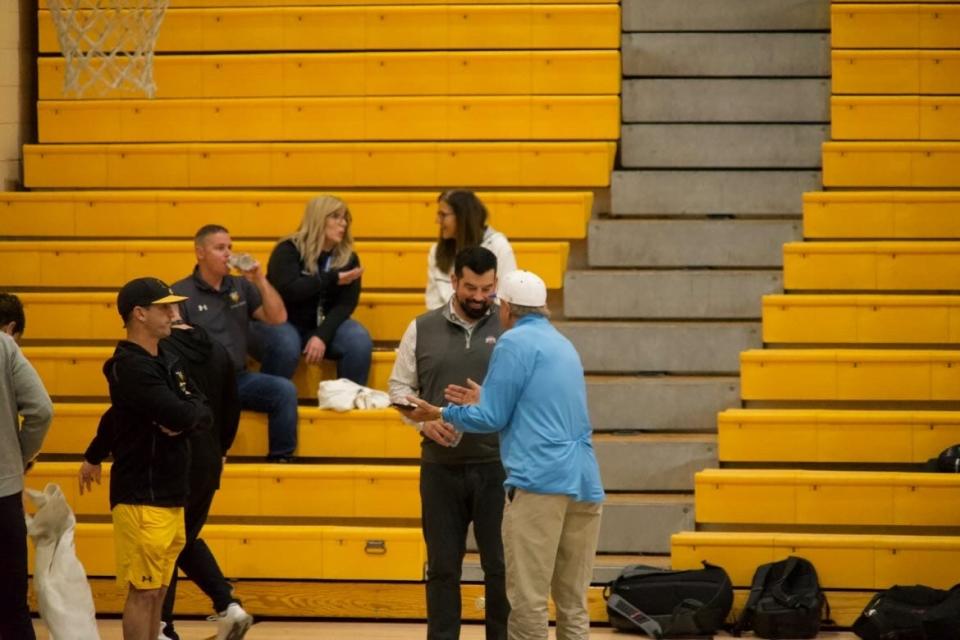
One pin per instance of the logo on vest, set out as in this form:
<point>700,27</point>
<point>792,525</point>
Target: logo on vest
<point>202,307</point>
<point>491,340</point>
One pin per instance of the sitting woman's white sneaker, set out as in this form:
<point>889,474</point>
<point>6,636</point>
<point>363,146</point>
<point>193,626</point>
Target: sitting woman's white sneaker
<point>233,623</point>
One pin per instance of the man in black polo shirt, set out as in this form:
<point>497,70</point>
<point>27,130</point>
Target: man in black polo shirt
<point>225,305</point>
<point>461,481</point>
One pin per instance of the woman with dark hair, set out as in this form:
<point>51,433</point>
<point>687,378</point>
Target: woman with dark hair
<point>462,219</point>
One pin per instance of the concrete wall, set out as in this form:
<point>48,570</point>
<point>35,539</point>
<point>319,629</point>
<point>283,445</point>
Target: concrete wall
<point>17,28</point>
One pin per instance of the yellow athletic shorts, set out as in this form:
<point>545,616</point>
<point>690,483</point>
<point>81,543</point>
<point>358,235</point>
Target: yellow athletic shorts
<point>147,540</point>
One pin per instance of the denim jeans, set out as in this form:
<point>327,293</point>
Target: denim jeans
<point>352,349</point>
<point>277,397</point>
<point>14,612</point>
<point>276,347</point>
<point>452,496</point>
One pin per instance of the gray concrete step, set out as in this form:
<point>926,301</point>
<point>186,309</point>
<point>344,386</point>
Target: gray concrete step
<point>667,294</point>
<point>660,403</point>
<point>643,523</point>
<point>726,100</point>
<point>696,55</point>
<point>606,567</point>
<point>637,523</point>
<point>651,347</point>
<point>690,243</point>
<point>699,146</point>
<point>726,15</point>
<point>653,462</point>
<point>710,192</point>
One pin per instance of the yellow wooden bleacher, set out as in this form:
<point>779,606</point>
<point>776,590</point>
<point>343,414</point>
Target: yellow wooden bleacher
<point>343,491</point>
<point>93,315</point>
<point>310,552</point>
<point>895,71</point>
<point>331,119</point>
<point>861,319</point>
<point>835,436</point>
<point>891,26</point>
<point>842,561</point>
<point>882,214</point>
<point>110,263</point>
<point>375,433</point>
<point>77,371</point>
<point>891,164</point>
<point>895,118</point>
<point>400,215</point>
<point>433,73</point>
<point>396,27</point>
<point>842,498</point>
<point>895,76</point>
<point>192,4</point>
<point>521,97</point>
<point>312,164</point>
<point>850,374</point>
<point>875,265</point>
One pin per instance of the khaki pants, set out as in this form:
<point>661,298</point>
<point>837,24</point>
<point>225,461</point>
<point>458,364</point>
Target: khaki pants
<point>549,544</point>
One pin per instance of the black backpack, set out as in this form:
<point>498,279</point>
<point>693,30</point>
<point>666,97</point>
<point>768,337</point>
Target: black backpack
<point>911,613</point>
<point>785,601</point>
<point>663,603</point>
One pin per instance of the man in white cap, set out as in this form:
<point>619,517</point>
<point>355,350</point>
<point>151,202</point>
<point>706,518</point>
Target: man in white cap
<point>534,395</point>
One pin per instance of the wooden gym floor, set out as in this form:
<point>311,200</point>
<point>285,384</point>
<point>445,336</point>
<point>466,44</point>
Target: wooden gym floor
<point>201,630</point>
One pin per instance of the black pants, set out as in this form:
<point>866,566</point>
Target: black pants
<point>452,497</point>
<point>197,560</point>
<point>15,621</point>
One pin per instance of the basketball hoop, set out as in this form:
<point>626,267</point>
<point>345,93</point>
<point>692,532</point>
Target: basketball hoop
<point>107,44</point>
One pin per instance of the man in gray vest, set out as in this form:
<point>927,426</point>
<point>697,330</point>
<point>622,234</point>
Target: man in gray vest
<point>461,480</point>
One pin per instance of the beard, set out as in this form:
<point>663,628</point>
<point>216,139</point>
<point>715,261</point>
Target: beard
<point>474,310</point>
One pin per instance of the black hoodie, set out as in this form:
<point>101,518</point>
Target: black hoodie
<point>209,367</point>
<point>146,393</point>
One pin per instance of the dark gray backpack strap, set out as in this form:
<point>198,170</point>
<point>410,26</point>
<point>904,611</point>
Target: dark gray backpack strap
<point>647,624</point>
<point>756,590</point>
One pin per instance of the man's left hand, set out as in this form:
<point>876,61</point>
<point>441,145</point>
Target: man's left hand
<point>469,394</point>
<point>254,273</point>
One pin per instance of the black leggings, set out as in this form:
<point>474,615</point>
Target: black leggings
<point>197,560</point>
<point>15,623</point>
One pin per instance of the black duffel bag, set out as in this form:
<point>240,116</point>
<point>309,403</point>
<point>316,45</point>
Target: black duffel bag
<point>911,613</point>
<point>664,604</point>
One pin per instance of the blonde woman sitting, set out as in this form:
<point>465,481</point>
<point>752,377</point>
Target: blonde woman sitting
<point>317,274</point>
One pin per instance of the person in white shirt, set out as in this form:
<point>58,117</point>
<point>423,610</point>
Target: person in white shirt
<point>462,219</point>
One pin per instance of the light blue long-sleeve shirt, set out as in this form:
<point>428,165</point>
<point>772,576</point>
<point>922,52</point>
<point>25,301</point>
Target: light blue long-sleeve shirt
<point>535,396</point>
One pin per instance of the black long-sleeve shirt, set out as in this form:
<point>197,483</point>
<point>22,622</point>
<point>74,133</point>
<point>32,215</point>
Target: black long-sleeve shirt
<point>209,367</point>
<point>303,293</point>
<point>148,392</point>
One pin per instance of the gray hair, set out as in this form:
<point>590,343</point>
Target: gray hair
<point>519,311</point>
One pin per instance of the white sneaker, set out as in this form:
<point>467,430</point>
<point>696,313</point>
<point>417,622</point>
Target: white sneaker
<point>233,623</point>
<point>163,632</point>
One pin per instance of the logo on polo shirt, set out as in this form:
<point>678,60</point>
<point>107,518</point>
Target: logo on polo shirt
<point>235,296</point>
<point>202,307</point>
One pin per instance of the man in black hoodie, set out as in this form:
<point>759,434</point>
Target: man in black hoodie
<point>152,407</point>
<point>209,367</point>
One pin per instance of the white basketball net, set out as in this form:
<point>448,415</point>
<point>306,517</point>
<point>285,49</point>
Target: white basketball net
<point>107,44</point>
